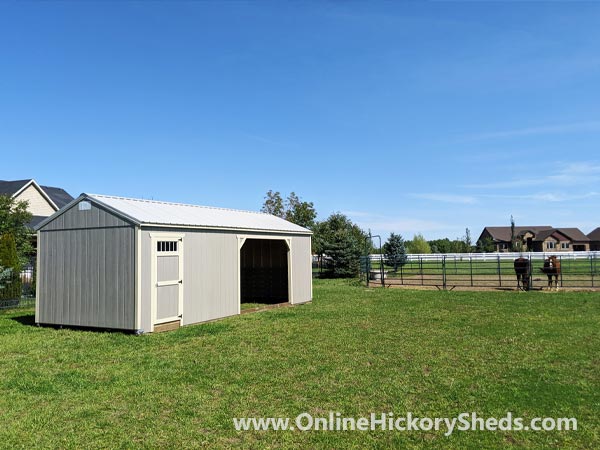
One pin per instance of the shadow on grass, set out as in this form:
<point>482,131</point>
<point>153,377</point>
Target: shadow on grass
<point>28,320</point>
<point>25,319</point>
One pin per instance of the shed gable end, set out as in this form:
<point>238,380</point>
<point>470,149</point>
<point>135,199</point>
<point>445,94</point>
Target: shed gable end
<point>85,215</point>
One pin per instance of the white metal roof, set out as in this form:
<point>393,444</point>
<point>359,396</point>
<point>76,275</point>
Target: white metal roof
<point>151,212</point>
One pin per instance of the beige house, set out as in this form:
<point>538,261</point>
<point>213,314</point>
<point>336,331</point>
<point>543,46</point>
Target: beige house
<point>43,201</point>
<point>561,240</point>
<point>538,238</point>
<point>594,238</point>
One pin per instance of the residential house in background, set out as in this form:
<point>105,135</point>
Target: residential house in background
<point>594,238</point>
<point>561,240</point>
<point>540,238</point>
<point>501,236</point>
<point>43,200</point>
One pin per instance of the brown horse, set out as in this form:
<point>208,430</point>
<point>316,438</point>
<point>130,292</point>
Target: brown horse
<point>523,272</point>
<point>552,270</point>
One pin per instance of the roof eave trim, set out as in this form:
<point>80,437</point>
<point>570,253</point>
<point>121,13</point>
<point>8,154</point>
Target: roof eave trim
<point>81,197</point>
<point>33,183</point>
<point>217,228</point>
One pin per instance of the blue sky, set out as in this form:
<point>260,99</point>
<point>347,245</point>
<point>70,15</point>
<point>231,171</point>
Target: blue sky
<point>408,117</point>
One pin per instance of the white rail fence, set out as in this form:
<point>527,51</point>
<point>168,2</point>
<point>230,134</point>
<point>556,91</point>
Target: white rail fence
<point>503,256</point>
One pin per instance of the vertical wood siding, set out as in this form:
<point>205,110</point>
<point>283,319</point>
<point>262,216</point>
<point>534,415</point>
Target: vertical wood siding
<point>211,276</point>
<point>87,271</point>
<point>301,269</point>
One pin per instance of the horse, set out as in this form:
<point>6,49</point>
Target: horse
<point>523,273</point>
<point>552,270</point>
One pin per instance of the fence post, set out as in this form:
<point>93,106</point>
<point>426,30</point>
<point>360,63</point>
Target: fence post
<point>592,268</point>
<point>499,272</point>
<point>530,284</point>
<point>471,268</point>
<point>444,272</point>
<point>381,269</point>
<point>421,269</point>
<point>401,276</point>
<point>560,262</point>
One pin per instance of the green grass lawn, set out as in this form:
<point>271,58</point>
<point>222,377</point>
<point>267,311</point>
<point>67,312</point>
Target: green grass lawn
<point>352,350</point>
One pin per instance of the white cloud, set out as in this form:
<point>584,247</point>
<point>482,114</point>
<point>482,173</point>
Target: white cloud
<point>384,224</point>
<point>575,127</point>
<point>571,174</point>
<point>446,198</point>
<point>357,213</point>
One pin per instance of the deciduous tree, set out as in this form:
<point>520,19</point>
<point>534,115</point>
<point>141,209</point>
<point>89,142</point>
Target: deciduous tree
<point>418,245</point>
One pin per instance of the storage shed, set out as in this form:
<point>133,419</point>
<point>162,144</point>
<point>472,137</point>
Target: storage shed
<point>143,265</point>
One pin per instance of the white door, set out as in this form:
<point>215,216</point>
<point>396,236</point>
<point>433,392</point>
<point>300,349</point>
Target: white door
<point>168,279</point>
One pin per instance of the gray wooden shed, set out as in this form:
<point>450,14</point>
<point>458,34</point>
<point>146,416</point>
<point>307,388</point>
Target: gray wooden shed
<point>142,265</point>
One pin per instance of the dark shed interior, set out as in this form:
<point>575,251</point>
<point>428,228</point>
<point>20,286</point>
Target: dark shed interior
<point>264,271</point>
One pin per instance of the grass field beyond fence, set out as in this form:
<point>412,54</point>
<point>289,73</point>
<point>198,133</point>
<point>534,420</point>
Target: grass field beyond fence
<point>353,351</point>
<point>465,271</point>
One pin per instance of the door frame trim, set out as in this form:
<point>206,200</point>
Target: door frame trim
<point>154,238</point>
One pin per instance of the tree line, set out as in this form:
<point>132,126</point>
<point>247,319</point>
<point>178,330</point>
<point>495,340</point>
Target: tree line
<point>340,242</point>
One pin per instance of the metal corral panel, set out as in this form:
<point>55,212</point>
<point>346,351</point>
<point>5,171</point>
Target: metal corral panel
<point>151,212</point>
<point>86,271</point>
<point>301,269</point>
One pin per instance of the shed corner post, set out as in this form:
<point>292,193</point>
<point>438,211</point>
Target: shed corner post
<point>311,267</point>
<point>290,259</point>
<point>138,278</point>
<point>37,278</point>
<point>241,240</point>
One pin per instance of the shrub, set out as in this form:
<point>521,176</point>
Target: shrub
<point>10,284</point>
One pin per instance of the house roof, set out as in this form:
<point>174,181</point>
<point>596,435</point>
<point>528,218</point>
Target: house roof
<point>575,234</point>
<point>594,235</point>
<point>35,221</point>
<point>504,233</point>
<point>545,234</point>
<point>157,213</point>
<point>59,196</point>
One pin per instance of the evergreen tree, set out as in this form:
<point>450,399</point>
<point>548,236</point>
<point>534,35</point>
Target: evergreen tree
<point>395,251</point>
<point>14,218</point>
<point>513,238</point>
<point>341,240</point>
